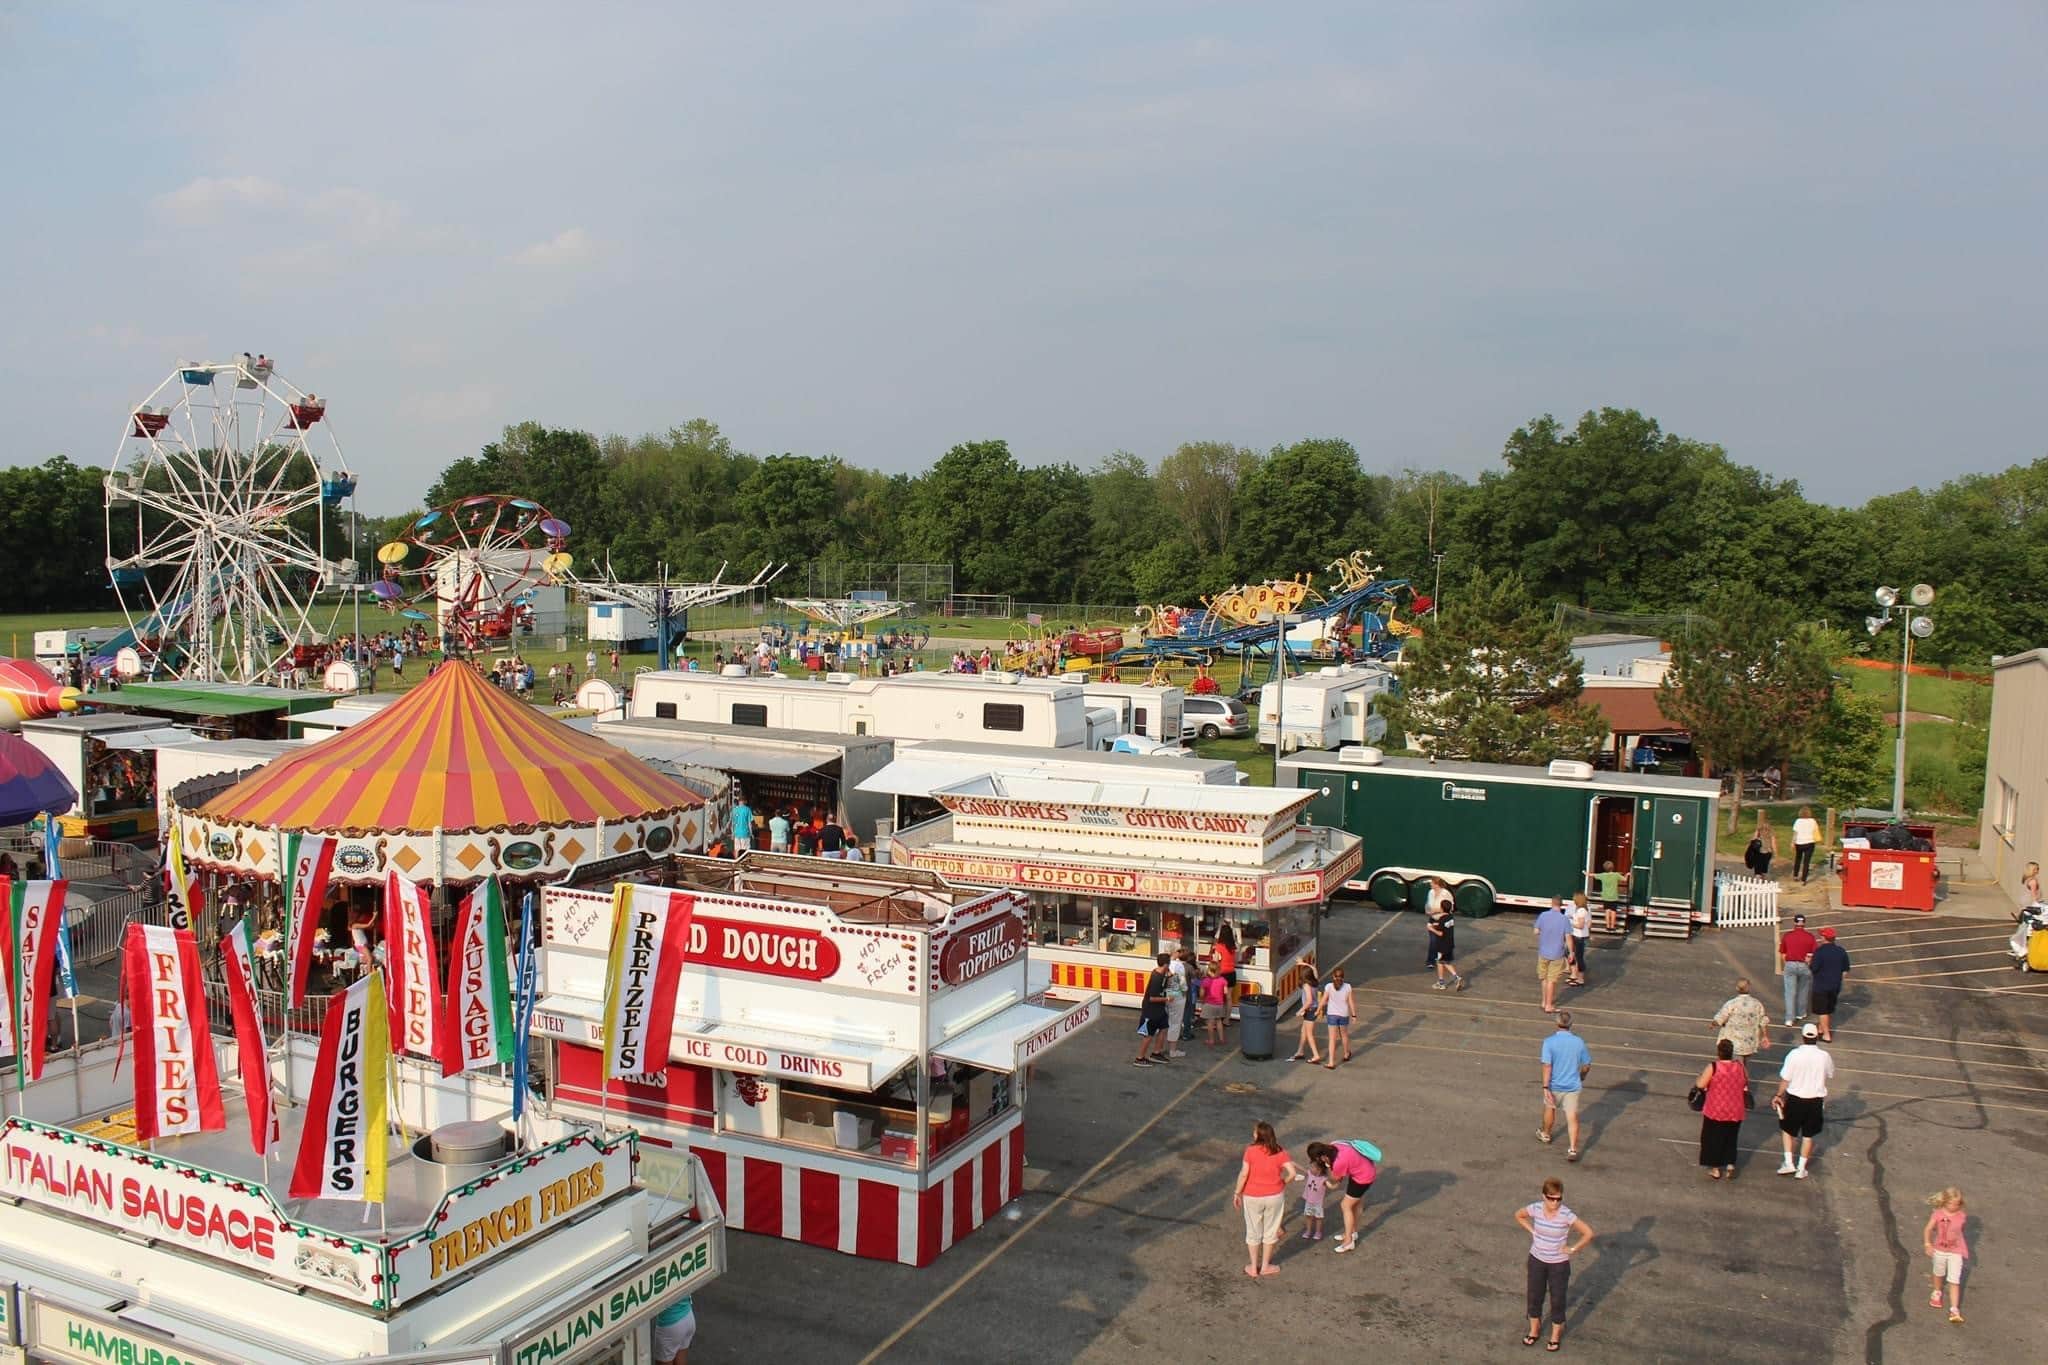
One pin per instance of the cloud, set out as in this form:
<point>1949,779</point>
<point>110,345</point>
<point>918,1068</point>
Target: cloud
<point>209,199</point>
<point>564,248</point>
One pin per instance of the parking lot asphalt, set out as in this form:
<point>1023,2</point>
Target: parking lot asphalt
<point>1125,1245</point>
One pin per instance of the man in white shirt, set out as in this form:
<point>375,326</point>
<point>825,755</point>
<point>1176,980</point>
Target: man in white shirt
<point>1802,1085</point>
<point>1177,997</point>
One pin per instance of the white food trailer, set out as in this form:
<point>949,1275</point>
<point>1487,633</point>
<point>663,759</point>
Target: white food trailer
<point>561,1248</point>
<point>849,1053</point>
<point>1116,874</point>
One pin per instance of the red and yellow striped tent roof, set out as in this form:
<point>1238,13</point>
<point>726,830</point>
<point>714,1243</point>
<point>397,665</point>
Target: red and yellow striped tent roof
<point>455,753</point>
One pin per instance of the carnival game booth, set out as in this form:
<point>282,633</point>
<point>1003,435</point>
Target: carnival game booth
<point>849,1052</point>
<point>560,1245</point>
<point>455,781</point>
<point>1116,874</point>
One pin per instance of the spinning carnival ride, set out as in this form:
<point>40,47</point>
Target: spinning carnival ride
<point>217,510</point>
<point>474,567</point>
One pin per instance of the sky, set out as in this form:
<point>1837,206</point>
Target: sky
<point>1811,233</point>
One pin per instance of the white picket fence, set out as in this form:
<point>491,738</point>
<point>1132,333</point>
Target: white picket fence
<point>1744,902</point>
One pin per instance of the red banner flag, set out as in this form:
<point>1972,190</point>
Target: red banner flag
<point>345,1145</point>
<point>409,964</point>
<point>33,909</point>
<point>308,858</point>
<point>176,1090</point>
<point>238,952</point>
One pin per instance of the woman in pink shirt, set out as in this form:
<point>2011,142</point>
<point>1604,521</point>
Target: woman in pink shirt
<point>1357,1171</point>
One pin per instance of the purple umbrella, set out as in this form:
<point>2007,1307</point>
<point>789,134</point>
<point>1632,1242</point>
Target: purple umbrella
<point>30,784</point>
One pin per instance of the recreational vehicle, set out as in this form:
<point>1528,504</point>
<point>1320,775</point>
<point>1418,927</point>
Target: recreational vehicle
<point>913,709</point>
<point>1154,712</point>
<point>1325,709</point>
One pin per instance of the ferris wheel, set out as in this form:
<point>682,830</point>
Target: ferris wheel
<point>474,567</point>
<point>217,505</point>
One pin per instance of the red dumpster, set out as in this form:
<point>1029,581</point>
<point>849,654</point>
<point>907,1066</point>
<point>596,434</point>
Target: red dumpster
<point>1885,878</point>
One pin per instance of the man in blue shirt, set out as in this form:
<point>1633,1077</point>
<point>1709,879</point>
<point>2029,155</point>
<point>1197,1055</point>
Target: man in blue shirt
<point>742,827</point>
<point>1829,964</point>
<point>1565,1064</point>
<point>1553,927</point>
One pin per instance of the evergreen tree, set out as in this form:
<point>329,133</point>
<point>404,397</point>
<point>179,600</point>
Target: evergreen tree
<point>1492,680</point>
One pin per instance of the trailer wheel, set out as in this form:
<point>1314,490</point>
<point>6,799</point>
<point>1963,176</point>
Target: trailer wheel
<point>1388,891</point>
<point>1418,895</point>
<point>1473,899</point>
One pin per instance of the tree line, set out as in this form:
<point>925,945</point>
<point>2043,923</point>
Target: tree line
<point>1611,514</point>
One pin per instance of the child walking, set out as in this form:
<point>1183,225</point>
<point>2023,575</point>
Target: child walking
<point>1317,1181</point>
<point>1943,1239</point>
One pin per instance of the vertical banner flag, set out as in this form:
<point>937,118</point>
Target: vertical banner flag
<point>522,1029</point>
<point>176,1088</point>
<point>409,962</point>
<point>33,910</point>
<point>65,976</point>
<point>183,889</point>
<point>238,953</point>
<point>342,1151</point>
<point>308,858</point>
<point>650,933</point>
<point>477,1029</point>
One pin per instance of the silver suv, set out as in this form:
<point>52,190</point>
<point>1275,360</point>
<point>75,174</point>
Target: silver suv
<point>1210,717</point>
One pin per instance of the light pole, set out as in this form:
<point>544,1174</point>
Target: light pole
<point>1436,599</point>
<point>1915,628</point>
<point>1281,623</point>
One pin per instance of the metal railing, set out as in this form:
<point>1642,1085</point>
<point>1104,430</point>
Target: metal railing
<point>1745,902</point>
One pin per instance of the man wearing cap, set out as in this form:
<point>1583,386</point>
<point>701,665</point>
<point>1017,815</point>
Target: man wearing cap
<point>1795,948</point>
<point>1802,1086</point>
<point>1829,964</point>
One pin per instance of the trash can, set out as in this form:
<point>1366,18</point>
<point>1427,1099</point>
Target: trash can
<point>1258,1018</point>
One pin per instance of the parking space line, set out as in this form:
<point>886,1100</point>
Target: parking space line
<point>1940,937</point>
<point>1916,976</point>
<point>1665,1071</point>
<point>1945,957</point>
<point>1063,1196</point>
<point>1883,1062</point>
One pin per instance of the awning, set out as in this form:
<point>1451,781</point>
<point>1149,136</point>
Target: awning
<point>840,1063</point>
<point>214,706</point>
<point>724,755</point>
<point>335,717</point>
<point>908,777</point>
<point>1020,1035</point>
<point>170,737</point>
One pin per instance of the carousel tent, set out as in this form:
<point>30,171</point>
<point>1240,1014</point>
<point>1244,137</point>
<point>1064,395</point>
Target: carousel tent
<point>454,753</point>
<point>454,781</point>
<point>30,784</point>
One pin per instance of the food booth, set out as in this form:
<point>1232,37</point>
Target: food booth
<point>558,1244</point>
<point>851,1048</point>
<point>1116,874</point>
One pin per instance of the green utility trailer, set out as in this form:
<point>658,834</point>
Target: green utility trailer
<point>1502,835</point>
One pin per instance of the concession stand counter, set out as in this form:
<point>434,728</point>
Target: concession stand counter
<point>558,1246</point>
<point>1117,873</point>
<point>849,1057</point>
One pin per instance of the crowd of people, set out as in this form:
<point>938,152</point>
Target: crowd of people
<point>816,831</point>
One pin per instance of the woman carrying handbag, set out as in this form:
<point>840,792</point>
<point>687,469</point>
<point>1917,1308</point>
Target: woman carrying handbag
<point>1721,1094</point>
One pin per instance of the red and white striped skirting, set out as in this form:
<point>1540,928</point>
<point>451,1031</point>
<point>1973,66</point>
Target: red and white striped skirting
<point>871,1218</point>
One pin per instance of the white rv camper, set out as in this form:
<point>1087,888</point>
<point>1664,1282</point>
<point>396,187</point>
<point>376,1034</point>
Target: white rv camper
<point>992,707</point>
<point>1324,710</point>
<point>1153,712</point>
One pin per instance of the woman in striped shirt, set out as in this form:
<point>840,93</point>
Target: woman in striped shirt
<point>1550,1224</point>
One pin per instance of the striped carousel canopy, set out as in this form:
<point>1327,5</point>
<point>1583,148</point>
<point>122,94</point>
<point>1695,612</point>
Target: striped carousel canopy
<point>455,753</point>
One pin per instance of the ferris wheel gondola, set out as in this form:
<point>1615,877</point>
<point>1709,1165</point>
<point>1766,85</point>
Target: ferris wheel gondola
<point>218,503</point>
